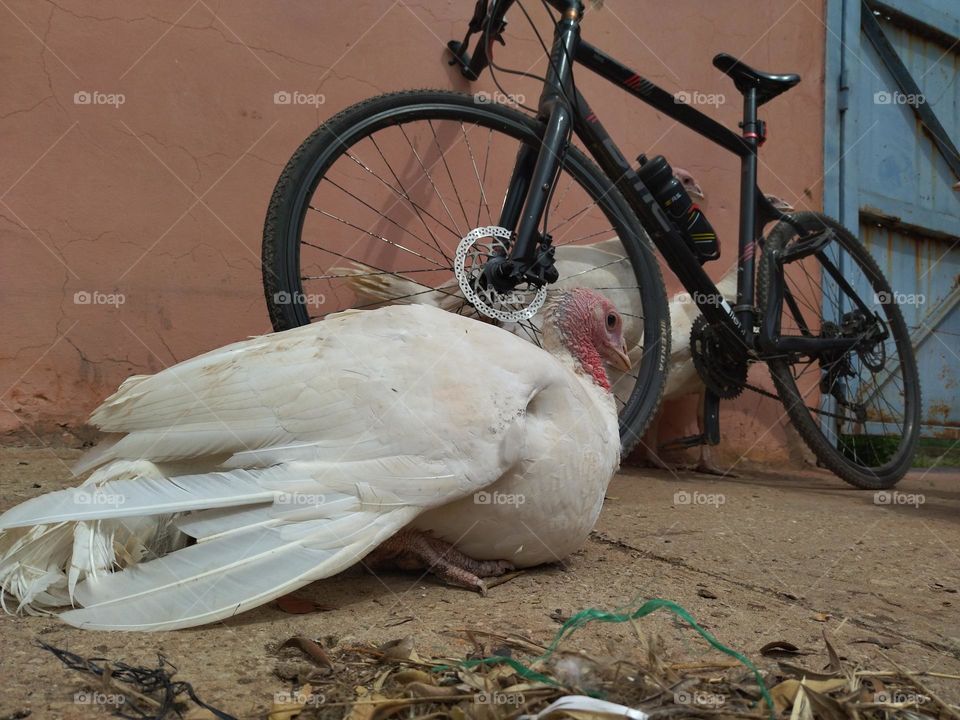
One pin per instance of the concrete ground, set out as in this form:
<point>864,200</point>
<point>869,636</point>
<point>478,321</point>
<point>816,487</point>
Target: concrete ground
<point>761,557</point>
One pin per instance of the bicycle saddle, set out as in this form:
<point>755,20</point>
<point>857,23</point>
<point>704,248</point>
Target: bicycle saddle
<point>768,85</point>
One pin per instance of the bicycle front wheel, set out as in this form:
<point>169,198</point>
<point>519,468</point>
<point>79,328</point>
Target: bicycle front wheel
<point>371,208</point>
<point>858,410</point>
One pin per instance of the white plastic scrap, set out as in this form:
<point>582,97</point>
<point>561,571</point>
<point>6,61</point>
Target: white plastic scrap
<point>582,703</point>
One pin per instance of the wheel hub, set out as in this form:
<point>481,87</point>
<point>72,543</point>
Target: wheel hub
<point>474,253</point>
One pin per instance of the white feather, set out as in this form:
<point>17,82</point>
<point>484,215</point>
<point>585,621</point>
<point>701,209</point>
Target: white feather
<point>220,578</point>
<point>290,456</point>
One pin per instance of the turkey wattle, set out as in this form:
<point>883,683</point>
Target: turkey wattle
<point>415,434</point>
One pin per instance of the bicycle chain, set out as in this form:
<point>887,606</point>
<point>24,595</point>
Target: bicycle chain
<point>774,396</point>
<point>744,385</point>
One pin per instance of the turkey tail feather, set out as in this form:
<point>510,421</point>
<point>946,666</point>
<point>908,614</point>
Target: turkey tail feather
<point>225,576</point>
<point>375,288</point>
<point>117,545</point>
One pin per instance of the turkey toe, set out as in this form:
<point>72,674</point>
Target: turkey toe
<point>413,549</point>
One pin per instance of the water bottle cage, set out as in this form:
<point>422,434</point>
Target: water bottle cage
<point>674,199</point>
<point>704,244</point>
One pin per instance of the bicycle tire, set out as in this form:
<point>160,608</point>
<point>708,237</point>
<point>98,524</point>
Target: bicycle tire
<point>872,478</point>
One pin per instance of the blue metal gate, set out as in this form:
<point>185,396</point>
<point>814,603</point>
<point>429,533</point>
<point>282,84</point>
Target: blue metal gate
<point>892,172</point>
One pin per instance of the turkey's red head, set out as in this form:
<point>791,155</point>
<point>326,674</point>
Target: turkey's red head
<point>591,330</point>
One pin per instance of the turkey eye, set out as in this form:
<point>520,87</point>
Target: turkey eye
<point>611,321</point>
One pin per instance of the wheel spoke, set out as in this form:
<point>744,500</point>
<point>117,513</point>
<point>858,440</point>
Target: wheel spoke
<point>392,221</point>
<point>453,184</point>
<point>406,195</point>
<point>374,235</point>
<point>458,232</point>
<point>476,172</point>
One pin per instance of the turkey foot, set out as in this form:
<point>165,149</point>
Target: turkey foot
<point>413,549</point>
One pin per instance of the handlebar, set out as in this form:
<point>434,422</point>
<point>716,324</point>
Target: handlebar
<point>490,25</point>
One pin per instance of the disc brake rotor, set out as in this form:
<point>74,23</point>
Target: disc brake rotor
<point>473,252</point>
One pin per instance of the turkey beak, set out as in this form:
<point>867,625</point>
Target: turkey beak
<point>618,357</point>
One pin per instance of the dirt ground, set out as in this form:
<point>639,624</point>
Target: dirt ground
<point>764,556</point>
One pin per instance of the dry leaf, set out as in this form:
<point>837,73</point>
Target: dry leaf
<point>365,709</point>
<point>377,707</point>
<point>284,711</point>
<point>825,686</point>
<point>410,675</point>
<point>200,714</point>
<point>825,707</point>
<point>311,649</point>
<point>781,647</point>
<point>289,709</point>
<point>399,621</point>
<point>784,693</point>
<point>801,672</point>
<point>399,650</point>
<point>474,681</point>
<point>422,690</point>
<point>821,617</point>
<point>801,706</point>
<point>382,678</point>
<point>835,665</point>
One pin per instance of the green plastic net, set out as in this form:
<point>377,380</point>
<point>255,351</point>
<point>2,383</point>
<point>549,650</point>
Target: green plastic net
<point>585,617</point>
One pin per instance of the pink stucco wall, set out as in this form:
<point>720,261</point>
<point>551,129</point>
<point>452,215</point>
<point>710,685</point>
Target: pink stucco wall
<point>154,191</point>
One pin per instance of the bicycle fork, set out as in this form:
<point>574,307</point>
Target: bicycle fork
<point>536,171</point>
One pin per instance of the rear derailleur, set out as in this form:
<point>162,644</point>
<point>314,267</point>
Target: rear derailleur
<point>836,366</point>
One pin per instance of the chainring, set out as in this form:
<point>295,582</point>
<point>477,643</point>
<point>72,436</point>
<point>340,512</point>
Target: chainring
<point>473,252</point>
<point>722,369</point>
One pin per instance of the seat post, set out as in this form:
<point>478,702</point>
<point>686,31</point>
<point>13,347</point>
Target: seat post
<point>748,216</point>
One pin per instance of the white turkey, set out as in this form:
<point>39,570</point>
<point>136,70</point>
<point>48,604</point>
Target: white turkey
<point>689,183</point>
<point>682,377</point>
<point>238,476</point>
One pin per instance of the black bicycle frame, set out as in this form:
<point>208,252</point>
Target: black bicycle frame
<point>564,110</point>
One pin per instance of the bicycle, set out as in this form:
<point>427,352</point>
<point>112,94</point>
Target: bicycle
<point>845,343</point>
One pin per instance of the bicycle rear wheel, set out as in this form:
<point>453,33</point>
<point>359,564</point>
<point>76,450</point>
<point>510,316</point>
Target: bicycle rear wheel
<point>859,410</point>
<point>371,208</point>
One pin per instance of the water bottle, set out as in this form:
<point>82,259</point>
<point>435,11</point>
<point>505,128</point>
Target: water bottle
<point>657,175</point>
